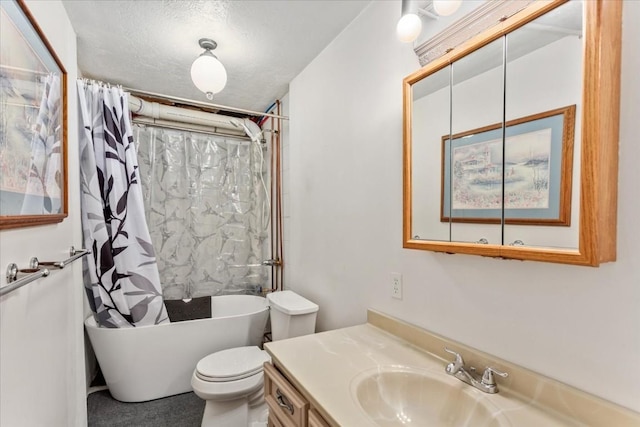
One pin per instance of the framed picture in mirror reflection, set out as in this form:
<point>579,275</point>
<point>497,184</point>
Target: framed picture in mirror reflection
<point>527,179</point>
<point>32,123</point>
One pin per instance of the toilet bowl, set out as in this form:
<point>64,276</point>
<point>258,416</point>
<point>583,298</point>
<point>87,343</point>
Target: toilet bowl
<point>232,381</point>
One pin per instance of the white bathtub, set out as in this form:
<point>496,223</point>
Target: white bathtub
<point>151,362</point>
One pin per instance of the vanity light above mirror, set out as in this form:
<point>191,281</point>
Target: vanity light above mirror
<point>511,138</point>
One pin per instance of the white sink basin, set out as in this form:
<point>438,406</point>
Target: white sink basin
<point>400,396</point>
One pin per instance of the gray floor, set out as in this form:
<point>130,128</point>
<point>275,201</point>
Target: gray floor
<point>182,410</point>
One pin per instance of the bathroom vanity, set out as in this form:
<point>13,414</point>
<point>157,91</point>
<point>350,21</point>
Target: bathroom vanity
<point>387,372</point>
<point>287,405</point>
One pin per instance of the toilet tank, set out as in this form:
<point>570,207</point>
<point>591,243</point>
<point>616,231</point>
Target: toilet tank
<point>291,315</point>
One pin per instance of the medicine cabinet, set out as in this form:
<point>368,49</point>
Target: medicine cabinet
<point>511,139</point>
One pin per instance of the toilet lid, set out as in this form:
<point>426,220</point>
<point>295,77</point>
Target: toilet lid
<point>232,364</point>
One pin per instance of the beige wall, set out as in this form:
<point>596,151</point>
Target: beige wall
<point>576,324</point>
<point>41,336</point>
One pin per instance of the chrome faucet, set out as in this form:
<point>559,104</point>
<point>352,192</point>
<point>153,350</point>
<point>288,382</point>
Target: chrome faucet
<point>486,383</point>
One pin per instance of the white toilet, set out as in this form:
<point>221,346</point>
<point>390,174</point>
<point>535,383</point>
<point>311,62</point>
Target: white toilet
<point>231,381</point>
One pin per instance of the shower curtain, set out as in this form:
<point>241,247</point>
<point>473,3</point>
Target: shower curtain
<point>121,275</point>
<point>207,210</point>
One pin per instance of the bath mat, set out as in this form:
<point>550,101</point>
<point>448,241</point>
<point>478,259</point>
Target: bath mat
<point>180,311</point>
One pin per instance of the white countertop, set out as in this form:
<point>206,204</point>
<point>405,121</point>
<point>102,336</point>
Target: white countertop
<point>323,367</point>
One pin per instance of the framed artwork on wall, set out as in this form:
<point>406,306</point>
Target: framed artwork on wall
<point>533,182</point>
<point>33,124</point>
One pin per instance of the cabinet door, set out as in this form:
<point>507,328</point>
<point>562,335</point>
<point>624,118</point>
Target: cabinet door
<point>316,420</point>
<point>543,135</point>
<point>472,158</point>
<point>284,401</point>
<point>273,421</point>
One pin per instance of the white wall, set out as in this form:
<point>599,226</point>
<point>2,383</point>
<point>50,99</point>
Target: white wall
<point>41,335</point>
<point>576,324</point>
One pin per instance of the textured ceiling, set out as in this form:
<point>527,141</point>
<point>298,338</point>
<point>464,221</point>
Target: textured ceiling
<point>149,45</point>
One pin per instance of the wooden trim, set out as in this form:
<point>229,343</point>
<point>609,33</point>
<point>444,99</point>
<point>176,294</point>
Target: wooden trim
<point>19,221</point>
<point>608,74</point>
<point>599,146</point>
<point>454,247</point>
<point>407,169</point>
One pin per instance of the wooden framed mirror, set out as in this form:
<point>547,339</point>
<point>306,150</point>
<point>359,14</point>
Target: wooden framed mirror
<point>511,139</point>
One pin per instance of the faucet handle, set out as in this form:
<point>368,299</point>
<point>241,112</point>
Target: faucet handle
<point>487,377</point>
<point>457,364</point>
<point>456,354</point>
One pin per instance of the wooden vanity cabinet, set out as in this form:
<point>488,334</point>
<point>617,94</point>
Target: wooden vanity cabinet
<point>316,420</point>
<point>273,421</point>
<point>287,406</point>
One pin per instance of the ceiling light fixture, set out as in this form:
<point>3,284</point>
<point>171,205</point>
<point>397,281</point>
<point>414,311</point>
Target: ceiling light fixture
<point>409,26</point>
<point>207,72</point>
<point>446,7</point>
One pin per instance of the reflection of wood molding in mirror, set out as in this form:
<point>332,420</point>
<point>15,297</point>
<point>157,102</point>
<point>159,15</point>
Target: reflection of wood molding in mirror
<point>33,135</point>
<point>593,53</point>
<point>476,21</point>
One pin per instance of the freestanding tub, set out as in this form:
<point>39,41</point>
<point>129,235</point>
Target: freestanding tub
<point>151,362</point>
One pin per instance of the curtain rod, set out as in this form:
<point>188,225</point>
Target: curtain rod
<point>144,121</point>
<point>204,104</point>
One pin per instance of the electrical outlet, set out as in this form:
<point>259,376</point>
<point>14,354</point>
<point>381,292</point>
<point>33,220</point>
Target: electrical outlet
<point>396,285</point>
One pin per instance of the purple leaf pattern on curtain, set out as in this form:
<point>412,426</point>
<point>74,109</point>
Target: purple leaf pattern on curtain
<point>206,211</point>
<point>121,278</point>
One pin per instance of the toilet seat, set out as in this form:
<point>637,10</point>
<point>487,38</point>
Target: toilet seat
<point>230,374</point>
<point>232,364</point>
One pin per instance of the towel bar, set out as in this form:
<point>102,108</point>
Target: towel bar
<point>36,271</point>
<point>15,283</point>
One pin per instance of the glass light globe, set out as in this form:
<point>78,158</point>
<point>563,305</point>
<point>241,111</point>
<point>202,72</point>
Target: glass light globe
<point>208,74</point>
<point>446,7</point>
<point>409,27</point>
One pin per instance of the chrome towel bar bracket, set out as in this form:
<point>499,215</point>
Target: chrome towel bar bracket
<point>36,271</point>
<point>73,255</point>
<point>15,282</point>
